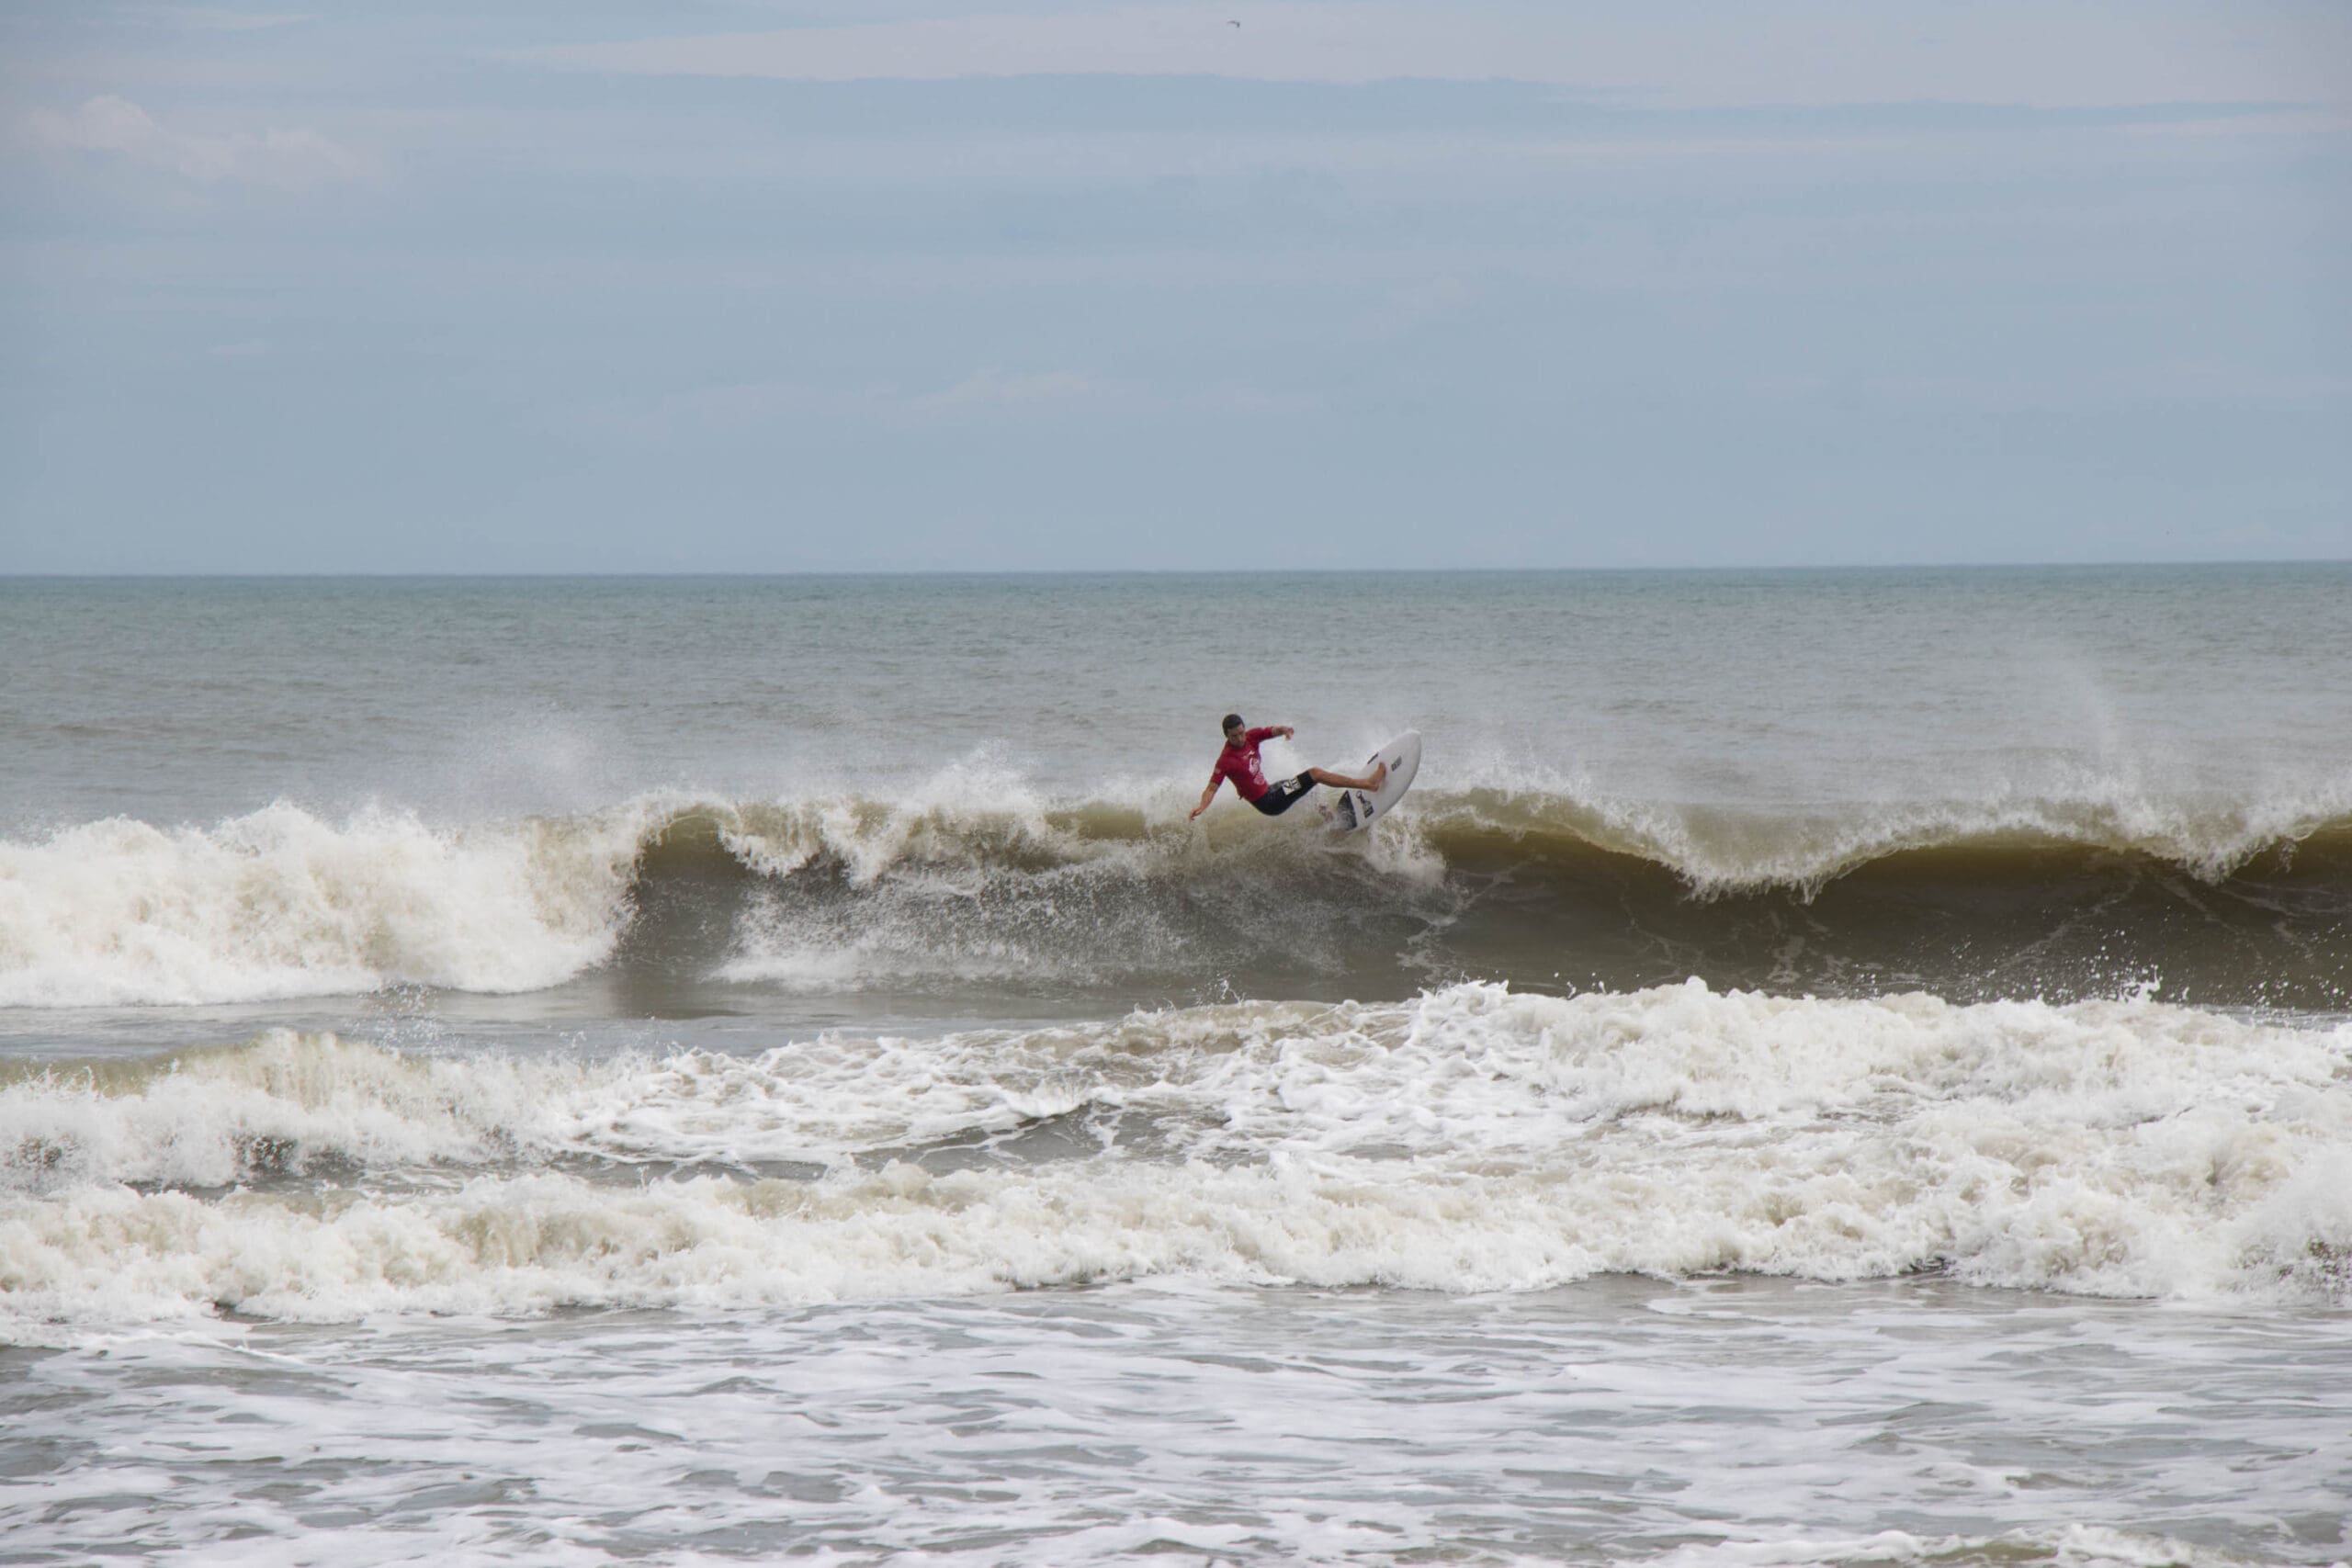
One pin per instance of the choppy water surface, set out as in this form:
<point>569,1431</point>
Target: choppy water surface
<point>1843,1067</point>
<point>1730,1420</point>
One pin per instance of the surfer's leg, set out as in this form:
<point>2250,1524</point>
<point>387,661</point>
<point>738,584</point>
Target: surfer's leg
<point>1284,795</point>
<point>1372,780</point>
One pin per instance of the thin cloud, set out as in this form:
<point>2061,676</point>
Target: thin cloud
<point>289,160</point>
<point>220,20</point>
<point>1817,53</point>
<point>728,412</point>
<point>1000,389</point>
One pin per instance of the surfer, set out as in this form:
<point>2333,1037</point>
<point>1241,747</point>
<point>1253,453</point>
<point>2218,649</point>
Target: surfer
<point>1238,761</point>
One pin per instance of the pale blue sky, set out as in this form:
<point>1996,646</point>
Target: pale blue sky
<point>770,287</point>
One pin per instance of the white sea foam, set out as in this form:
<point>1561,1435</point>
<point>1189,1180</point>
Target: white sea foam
<point>281,903</point>
<point>956,816</point>
<point>2076,1546</point>
<point>284,903</point>
<point>1730,1424</point>
<point>1475,1139</point>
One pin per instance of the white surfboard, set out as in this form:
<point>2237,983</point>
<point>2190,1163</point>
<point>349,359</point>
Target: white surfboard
<point>1360,807</point>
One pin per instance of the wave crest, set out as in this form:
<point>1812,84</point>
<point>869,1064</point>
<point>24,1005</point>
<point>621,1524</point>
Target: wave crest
<point>974,879</point>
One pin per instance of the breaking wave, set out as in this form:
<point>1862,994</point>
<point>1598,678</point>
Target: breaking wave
<point>975,880</point>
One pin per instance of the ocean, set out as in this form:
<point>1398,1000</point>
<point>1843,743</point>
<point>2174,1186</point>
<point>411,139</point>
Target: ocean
<point>1841,1066</point>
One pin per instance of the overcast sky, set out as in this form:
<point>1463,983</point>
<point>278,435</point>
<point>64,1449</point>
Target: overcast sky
<point>912,283</point>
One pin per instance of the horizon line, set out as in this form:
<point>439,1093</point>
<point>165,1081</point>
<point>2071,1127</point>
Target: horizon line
<point>722,573</point>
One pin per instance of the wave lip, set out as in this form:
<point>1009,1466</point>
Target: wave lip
<point>974,879</point>
<point>1477,1138</point>
<point>1718,851</point>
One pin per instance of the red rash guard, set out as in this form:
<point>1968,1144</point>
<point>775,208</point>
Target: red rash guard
<point>1240,764</point>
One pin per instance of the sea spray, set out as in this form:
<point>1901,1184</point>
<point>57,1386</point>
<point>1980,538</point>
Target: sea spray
<point>976,882</point>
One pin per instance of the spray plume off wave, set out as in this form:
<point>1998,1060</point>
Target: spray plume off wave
<point>2228,902</point>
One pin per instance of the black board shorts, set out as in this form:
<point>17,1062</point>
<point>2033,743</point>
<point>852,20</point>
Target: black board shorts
<point>1281,796</point>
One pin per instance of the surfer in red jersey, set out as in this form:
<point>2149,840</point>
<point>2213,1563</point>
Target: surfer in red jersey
<point>1238,761</point>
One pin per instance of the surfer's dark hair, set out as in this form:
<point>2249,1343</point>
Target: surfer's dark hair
<point>1232,721</point>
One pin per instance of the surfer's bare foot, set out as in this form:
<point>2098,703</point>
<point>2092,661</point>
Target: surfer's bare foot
<point>1379,776</point>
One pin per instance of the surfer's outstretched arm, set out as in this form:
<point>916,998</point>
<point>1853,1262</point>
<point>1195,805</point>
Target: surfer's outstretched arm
<point>1208,795</point>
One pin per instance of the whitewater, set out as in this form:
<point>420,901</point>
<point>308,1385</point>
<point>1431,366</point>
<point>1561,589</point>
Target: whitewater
<point>1471,1140</point>
<point>973,877</point>
<point>1832,1068</point>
